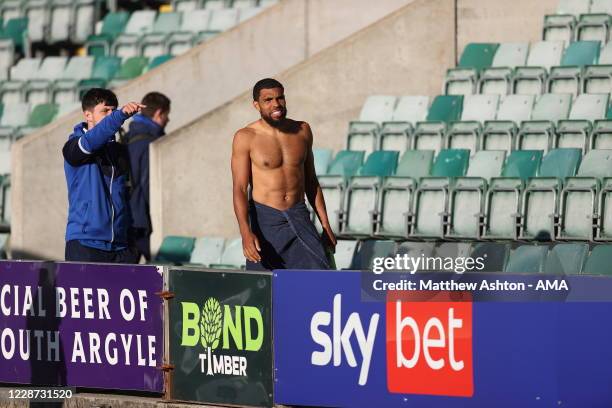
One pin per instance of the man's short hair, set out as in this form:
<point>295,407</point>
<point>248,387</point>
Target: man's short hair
<point>96,96</point>
<point>154,101</point>
<point>266,83</point>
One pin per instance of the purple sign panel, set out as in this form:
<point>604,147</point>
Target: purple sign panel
<point>85,325</point>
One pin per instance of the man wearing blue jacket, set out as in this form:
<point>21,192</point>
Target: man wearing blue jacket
<point>97,168</point>
<point>147,127</point>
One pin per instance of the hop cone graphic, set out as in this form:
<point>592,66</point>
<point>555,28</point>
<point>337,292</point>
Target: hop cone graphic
<point>210,324</point>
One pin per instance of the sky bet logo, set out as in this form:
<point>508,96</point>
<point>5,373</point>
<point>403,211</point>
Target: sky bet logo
<point>212,329</point>
<point>428,344</point>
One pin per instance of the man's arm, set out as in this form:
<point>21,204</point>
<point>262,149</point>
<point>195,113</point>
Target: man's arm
<point>241,175</point>
<point>314,192</point>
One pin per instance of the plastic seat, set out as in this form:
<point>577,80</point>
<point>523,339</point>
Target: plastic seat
<point>193,23</point>
<point>104,69</point>
<point>346,163</point>
<point>567,78</point>
<point>560,163</point>
<point>67,107</point>
<point>444,109</point>
<point>362,193</point>
<point>127,44</point>
<point>185,6</point>
<point>13,90</point>
<point>39,89</point>
<point>531,79</point>
<point>215,4</point>
<point>575,131</point>
<point>476,110</point>
<point>61,13</point>
<point>604,230</point>
<point>112,26</point>
<point>527,259</point>
<point>154,43</point>
<point>502,208</point>
<point>322,159</point>
<point>598,262</point>
<point>243,4</point>
<point>467,195</point>
<point>157,61</point>
<point>566,259</point>
<point>85,15</point>
<point>37,13</point>
<point>594,27</point>
<point>40,116</point>
<point>522,164</point>
<point>497,79</point>
<point>478,55</point>
<point>175,250</point>
<point>232,257</point>
<point>559,27</point>
<point>463,79</point>
<point>222,20</point>
<point>538,132</point>
<point>370,249</point>
<point>11,9</point>
<point>15,115</point>
<point>397,133</point>
<point>363,134</point>
<point>600,7</point>
<point>207,251</point>
<point>416,250</point>
<point>345,251</point>
<point>15,29</point>
<point>393,211</point>
<point>499,134</point>
<point>130,69</point>
<point>65,88</point>
<point>494,255</point>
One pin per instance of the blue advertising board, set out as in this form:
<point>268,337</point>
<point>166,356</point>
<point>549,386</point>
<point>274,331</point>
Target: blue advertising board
<point>333,348</point>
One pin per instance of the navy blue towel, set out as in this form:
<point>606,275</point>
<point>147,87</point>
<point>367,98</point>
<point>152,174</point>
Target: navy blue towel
<point>288,239</point>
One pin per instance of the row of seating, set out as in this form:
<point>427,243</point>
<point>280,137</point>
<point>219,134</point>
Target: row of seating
<point>581,67</point>
<point>211,252</point>
<point>567,27</point>
<point>190,5</point>
<point>578,7</point>
<point>64,80</point>
<point>19,119</point>
<point>482,122</point>
<point>488,196</point>
<point>148,33</point>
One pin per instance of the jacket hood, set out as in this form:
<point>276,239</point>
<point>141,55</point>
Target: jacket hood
<point>144,124</point>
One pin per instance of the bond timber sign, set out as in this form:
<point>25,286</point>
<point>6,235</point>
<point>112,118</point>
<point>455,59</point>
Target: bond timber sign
<point>220,337</point>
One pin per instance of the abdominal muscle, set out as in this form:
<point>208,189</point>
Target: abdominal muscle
<point>280,188</point>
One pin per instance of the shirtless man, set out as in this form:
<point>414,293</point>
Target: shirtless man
<point>274,156</point>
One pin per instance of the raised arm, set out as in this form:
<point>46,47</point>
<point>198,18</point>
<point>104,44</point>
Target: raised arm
<point>241,176</point>
<point>314,192</point>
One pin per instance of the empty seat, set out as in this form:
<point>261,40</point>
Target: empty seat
<point>15,29</point>
<point>597,79</point>
<point>14,116</point>
<point>601,136</point>
<point>363,134</point>
<point>497,78</point>
<point>65,88</point>
<point>247,13</point>
<point>112,26</point>
<point>461,81</point>
<point>575,131</point>
<point>370,249</point>
<point>154,43</point>
<point>215,4</point>
<point>346,163</point>
<point>494,255</point>
<point>396,134</point>
<point>573,7</point>
<point>601,7</point>
<point>25,70</point>
<point>604,228</point>
<point>502,208</point>
<point>85,15</point>
<point>345,251</point>
<point>232,257</point>
<point>599,261</point>
<point>527,259</point>
<point>538,132</point>
<point>522,164</point>
<point>476,110</point>
<point>566,259</point>
<point>130,69</point>
<point>11,9</point>
<point>193,23</point>
<point>478,55</point>
<point>322,159</point>
<point>559,28</point>
<point>567,78</point>
<point>175,250</point>
<point>105,68</point>
<point>499,134</point>
<point>207,251</point>
<point>185,5</point>
<point>61,13</point>
<point>393,214</point>
<point>39,89</point>
<point>444,109</point>
<point>221,20</point>
<point>466,202</point>
<point>542,56</point>
<point>594,27</point>
<point>560,163</point>
<point>140,23</point>
<point>157,61</point>
<point>37,12</point>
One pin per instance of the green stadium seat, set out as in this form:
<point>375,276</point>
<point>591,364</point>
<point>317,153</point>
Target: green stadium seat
<point>451,163</point>
<point>370,249</point>
<point>86,13</point>
<point>499,134</point>
<point>207,251</point>
<point>494,255</point>
<point>567,78</point>
<point>527,259</point>
<point>322,159</point>
<point>581,53</point>
<point>154,43</point>
<point>346,163</point>
<point>466,200</point>
<point>502,208</point>
<point>13,90</point>
<point>345,251</point>
<point>594,27</point>
<point>157,61</point>
<point>560,163</point>
<point>478,56</point>
<point>496,80</point>
<point>175,250</point>
<point>363,134</point>
<point>130,69</point>
<point>39,89</point>
<point>38,15</point>
<point>40,116</point>
<point>393,214</point>
<point>538,133</point>
<point>559,27</point>
<point>60,16</point>
<point>598,262</point>
<point>531,80</point>
<point>112,26</point>
<point>193,23</point>
<point>16,30</point>
<point>361,195</point>
<point>397,133</point>
<point>65,88</point>
<point>566,259</point>
<point>476,110</point>
<point>575,131</point>
<point>522,164</point>
<point>444,109</point>
<point>232,257</point>
<point>127,44</point>
<point>15,115</point>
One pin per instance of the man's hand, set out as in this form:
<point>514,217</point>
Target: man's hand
<point>328,237</point>
<point>251,247</point>
<point>132,108</point>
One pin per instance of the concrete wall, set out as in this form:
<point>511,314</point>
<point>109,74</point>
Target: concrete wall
<point>402,54</point>
<point>207,76</point>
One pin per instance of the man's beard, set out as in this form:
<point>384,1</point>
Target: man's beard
<point>275,123</point>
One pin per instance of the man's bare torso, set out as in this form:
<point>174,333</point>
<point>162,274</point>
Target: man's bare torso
<point>278,160</point>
